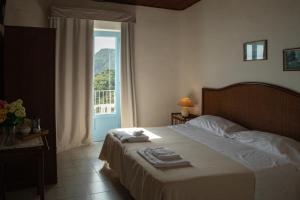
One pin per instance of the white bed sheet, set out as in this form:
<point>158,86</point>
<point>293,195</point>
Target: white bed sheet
<point>276,178</point>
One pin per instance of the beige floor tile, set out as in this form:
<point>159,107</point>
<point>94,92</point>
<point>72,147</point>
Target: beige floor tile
<point>79,178</point>
<point>111,195</point>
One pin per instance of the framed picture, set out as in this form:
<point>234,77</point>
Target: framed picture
<point>291,59</point>
<point>256,50</point>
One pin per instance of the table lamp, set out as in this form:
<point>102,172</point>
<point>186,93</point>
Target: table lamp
<point>185,104</point>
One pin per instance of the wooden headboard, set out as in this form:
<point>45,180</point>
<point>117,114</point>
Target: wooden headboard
<point>257,106</point>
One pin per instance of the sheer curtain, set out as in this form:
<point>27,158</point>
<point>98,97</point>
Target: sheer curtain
<point>128,99</point>
<point>74,75</point>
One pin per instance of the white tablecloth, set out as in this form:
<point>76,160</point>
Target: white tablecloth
<point>35,142</point>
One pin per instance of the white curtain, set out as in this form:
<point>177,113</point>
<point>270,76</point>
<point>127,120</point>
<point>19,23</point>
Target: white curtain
<point>128,100</point>
<point>95,14</point>
<point>74,75</point>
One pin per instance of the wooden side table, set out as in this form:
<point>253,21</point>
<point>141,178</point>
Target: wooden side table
<point>177,118</point>
<point>34,148</point>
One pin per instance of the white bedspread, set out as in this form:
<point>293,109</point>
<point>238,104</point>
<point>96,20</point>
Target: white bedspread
<point>211,176</point>
<point>276,178</point>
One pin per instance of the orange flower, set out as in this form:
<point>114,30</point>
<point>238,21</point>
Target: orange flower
<point>3,115</point>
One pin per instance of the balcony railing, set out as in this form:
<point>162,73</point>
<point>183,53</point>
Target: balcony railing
<point>104,101</point>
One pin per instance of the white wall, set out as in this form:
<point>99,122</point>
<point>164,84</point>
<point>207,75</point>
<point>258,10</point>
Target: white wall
<point>157,57</point>
<point>156,49</point>
<point>212,37</point>
<point>27,13</point>
<point>179,52</point>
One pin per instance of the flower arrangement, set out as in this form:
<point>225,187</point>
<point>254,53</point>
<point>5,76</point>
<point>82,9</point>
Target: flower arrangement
<point>12,114</point>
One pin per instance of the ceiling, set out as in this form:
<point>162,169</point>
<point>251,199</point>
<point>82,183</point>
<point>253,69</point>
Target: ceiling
<point>167,4</point>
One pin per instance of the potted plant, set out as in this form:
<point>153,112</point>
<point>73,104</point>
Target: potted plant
<point>11,115</point>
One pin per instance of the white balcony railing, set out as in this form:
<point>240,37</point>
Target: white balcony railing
<point>104,101</point>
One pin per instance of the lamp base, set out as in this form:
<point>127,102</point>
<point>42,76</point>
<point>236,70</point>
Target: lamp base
<point>185,112</point>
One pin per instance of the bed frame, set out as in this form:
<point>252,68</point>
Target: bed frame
<point>257,106</point>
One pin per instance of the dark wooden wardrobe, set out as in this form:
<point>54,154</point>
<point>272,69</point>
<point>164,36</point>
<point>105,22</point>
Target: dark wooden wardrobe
<point>1,64</point>
<point>29,74</point>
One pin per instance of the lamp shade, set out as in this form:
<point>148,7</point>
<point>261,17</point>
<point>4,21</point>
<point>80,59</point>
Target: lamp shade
<point>185,102</point>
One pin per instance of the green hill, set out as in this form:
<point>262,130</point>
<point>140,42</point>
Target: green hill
<point>103,60</point>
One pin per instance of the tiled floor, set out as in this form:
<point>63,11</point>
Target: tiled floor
<point>80,178</point>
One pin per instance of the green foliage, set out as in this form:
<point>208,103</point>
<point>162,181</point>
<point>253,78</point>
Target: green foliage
<point>105,80</point>
<point>13,120</point>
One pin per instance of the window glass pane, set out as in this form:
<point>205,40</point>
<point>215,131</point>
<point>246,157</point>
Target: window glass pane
<point>249,52</point>
<point>260,51</point>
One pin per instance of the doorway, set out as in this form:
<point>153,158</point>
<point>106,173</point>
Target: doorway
<point>106,83</point>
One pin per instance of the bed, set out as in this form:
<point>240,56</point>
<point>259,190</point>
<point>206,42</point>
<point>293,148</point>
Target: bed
<point>222,168</point>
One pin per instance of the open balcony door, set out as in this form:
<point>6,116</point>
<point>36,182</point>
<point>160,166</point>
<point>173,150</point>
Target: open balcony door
<point>106,82</point>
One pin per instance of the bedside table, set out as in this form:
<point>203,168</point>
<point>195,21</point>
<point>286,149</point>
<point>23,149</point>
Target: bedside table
<point>34,148</point>
<point>177,118</point>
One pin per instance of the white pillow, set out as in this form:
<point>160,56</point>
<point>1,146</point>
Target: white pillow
<point>271,143</point>
<point>215,124</point>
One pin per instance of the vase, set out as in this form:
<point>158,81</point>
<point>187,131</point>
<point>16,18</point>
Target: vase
<point>9,135</point>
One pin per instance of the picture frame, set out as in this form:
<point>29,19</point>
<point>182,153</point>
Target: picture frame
<point>291,59</point>
<point>256,50</point>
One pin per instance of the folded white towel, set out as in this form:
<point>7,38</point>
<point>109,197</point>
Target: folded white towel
<point>124,136</point>
<point>164,153</point>
<point>147,155</point>
<point>138,133</point>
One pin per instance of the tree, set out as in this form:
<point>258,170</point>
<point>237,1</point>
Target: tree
<point>105,80</point>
